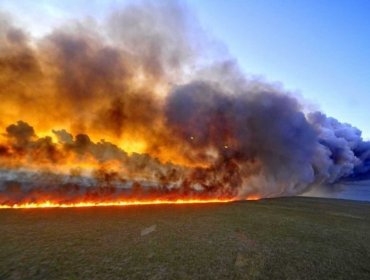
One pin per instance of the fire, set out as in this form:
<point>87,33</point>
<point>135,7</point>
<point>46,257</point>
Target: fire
<point>89,117</point>
<point>51,204</point>
<point>82,204</point>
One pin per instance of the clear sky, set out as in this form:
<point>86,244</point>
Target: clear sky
<point>318,48</point>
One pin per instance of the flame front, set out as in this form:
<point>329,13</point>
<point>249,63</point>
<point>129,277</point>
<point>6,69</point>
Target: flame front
<point>51,204</point>
<point>158,201</point>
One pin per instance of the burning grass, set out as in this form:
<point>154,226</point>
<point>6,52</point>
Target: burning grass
<point>292,238</point>
<point>51,204</point>
<point>122,202</point>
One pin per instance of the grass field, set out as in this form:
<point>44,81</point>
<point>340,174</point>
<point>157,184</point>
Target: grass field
<point>286,238</point>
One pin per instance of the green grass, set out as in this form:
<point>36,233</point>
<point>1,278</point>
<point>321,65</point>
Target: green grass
<point>286,238</point>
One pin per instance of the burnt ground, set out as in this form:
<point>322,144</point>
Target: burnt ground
<point>285,238</point>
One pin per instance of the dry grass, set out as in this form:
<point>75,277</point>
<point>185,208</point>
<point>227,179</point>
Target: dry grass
<point>288,238</point>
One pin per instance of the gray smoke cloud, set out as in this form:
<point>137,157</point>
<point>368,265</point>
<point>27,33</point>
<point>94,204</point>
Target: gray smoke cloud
<point>277,149</point>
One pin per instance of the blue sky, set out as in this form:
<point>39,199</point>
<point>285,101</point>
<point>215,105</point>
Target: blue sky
<point>319,49</point>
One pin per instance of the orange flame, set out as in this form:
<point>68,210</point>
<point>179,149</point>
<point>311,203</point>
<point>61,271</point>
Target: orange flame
<point>51,204</point>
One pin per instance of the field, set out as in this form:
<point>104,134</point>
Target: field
<point>285,238</point>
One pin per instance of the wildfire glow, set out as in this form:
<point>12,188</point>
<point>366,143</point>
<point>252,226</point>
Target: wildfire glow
<point>90,118</point>
<point>51,204</point>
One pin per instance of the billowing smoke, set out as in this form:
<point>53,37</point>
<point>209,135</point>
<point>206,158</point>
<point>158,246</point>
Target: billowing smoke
<point>140,106</point>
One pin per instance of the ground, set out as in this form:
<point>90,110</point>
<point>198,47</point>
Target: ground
<point>285,238</point>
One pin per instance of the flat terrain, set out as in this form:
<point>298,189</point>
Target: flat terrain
<point>285,238</point>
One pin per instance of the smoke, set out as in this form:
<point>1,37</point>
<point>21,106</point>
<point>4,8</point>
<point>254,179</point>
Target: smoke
<point>138,105</point>
<point>346,153</point>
